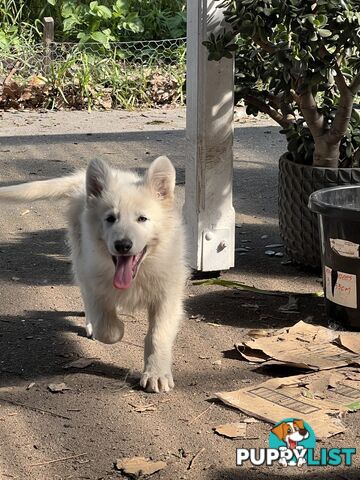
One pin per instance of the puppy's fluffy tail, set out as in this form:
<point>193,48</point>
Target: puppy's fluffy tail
<point>56,188</point>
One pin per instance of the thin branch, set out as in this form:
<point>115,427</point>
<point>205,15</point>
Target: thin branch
<point>339,77</point>
<point>266,108</point>
<point>286,107</point>
<point>35,409</point>
<point>195,457</point>
<point>12,73</point>
<point>344,109</point>
<point>265,45</point>
<point>342,119</point>
<point>201,414</point>
<point>70,457</point>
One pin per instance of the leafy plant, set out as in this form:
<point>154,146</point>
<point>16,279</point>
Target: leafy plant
<point>104,21</point>
<point>81,78</point>
<point>14,25</point>
<point>299,62</point>
<point>93,73</point>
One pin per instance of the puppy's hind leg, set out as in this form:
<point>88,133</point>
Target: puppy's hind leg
<point>164,319</point>
<point>102,322</point>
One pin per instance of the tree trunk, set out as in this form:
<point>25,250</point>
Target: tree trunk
<point>326,154</point>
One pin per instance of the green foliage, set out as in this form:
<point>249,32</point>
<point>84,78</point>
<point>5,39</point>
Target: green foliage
<point>15,27</point>
<point>95,21</point>
<point>80,77</point>
<point>99,21</point>
<point>94,73</point>
<point>301,47</point>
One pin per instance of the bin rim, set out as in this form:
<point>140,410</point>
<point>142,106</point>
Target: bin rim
<point>344,213</point>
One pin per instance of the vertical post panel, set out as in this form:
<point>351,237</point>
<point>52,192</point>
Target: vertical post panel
<point>48,38</point>
<point>48,30</point>
<point>208,210</point>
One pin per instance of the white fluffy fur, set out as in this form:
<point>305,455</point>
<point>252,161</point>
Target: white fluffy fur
<point>159,284</point>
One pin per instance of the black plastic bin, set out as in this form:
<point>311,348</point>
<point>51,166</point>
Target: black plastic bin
<point>338,210</point>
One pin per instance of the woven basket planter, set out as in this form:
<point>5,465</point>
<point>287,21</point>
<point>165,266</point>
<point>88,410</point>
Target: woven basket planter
<point>298,226</point>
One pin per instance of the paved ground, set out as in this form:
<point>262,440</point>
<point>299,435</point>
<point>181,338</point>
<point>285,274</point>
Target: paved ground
<point>41,320</point>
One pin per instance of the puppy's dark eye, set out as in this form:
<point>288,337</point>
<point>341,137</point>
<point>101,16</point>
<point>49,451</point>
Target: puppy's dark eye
<point>142,219</point>
<point>111,219</point>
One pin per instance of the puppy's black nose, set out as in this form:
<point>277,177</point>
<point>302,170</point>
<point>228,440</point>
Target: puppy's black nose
<point>123,246</point>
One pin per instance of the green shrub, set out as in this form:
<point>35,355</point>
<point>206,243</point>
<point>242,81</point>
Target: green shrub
<point>299,62</point>
<point>96,21</point>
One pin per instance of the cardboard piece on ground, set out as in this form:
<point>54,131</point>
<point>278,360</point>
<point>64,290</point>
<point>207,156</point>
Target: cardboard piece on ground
<point>299,397</point>
<point>232,430</point>
<point>350,341</point>
<point>251,355</point>
<point>139,466</point>
<point>304,346</point>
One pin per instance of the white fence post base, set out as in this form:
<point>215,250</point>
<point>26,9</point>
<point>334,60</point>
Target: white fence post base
<point>208,209</point>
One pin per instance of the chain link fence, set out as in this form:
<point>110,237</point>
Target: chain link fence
<point>77,76</point>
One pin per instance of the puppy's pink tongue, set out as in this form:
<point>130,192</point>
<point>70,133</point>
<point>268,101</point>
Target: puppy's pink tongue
<point>123,272</point>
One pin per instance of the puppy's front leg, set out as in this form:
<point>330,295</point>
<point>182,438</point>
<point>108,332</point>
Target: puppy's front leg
<point>164,319</point>
<point>102,322</point>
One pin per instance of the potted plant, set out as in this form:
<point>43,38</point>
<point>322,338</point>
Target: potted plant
<point>299,62</point>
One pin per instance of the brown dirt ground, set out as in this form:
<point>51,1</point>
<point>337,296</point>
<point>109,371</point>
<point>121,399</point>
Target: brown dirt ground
<point>42,324</point>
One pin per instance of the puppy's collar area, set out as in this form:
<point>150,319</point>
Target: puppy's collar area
<point>126,267</point>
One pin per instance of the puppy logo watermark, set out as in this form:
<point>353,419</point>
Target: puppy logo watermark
<point>292,443</point>
<point>293,438</point>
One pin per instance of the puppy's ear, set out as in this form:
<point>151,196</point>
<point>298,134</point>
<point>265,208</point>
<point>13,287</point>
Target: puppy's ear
<point>96,177</point>
<point>161,178</point>
<point>280,431</point>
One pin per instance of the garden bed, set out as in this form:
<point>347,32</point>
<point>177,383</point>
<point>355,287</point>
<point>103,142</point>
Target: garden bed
<point>127,75</point>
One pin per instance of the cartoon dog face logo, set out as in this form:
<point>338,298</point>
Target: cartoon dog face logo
<point>291,433</point>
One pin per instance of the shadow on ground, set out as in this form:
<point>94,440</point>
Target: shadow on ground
<point>248,310</point>
<point>37,258</point>
<point>39,344</point>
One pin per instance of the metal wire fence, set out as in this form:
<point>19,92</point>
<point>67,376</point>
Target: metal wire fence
<point>66,75</point>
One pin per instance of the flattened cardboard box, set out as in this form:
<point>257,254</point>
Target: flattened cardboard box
<point>304,346</point>
<point>319,398</point>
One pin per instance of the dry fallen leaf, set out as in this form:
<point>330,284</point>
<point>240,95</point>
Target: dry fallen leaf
<point>81,363</point>
<point>232,430</point>
<point>58,387</point>
<point>32,384</point>
<point>139,466</point>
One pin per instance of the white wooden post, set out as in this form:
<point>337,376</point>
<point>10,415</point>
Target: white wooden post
<point>208,210</point>
<point>48,38</point>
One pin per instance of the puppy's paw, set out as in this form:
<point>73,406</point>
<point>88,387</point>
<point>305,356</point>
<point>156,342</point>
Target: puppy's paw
<point>89,330</point>
<point>156,382</point>
<point>109,333</point>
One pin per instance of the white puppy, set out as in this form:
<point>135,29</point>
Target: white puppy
<point>127,248</point>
